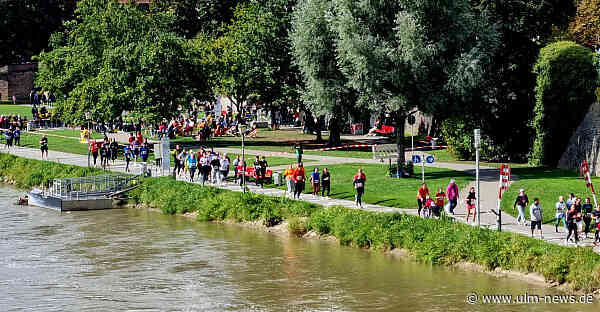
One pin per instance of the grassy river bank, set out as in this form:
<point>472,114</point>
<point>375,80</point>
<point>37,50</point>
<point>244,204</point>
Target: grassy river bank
<point>430,241</point>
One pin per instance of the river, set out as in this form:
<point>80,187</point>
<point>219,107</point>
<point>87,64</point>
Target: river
<point>132,259</point>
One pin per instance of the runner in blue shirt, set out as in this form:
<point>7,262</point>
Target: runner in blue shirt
<point>315,179</point>
<point>192,164</point>
<point>128,156</point>
<point>144,152</point>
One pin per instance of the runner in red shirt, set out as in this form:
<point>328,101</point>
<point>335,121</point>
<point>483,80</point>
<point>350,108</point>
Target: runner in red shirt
<point>94,147</point>
<point>300,177</point>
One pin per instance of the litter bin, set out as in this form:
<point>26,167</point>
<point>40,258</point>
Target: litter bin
<point>434,142</point>
<point>277,178</point>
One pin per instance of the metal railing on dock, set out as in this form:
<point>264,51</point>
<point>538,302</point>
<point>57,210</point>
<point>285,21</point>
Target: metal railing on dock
<point>91,187</point>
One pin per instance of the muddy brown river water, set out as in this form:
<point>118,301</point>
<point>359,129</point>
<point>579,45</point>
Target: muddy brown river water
<point>139,260</point>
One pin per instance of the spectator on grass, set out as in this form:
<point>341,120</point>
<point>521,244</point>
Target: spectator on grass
<point>359,184</point>
<point>561,209</point>
<point>422,194</point>
<point>326,182</point>
<point>535,213</point>
<point>470,204</point>
<point>520,203</point>
<point>452,194</point>
<point>315,180</point>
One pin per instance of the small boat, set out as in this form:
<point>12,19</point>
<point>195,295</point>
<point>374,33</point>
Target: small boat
<point>88,193</point>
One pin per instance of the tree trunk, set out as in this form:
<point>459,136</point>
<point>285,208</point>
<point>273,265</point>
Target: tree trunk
<point>334,132</point>
<point>273,120</point>
<point>318,130</point>
<point>400,123</point>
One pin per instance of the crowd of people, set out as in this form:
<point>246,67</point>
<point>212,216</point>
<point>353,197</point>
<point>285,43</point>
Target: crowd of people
<point>578,217</point>
<point>211,166</point>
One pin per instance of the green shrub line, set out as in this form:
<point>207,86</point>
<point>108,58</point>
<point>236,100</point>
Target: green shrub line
<point>430,241</point>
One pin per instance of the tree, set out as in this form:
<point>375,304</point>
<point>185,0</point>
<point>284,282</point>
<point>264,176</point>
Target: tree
<point>585,27</point>
<point>251,58</point>
<point>113,58</point>
<point>413,53</point>
<point>26,25</point>
<point>326,89</point>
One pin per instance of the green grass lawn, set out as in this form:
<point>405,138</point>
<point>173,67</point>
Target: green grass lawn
<point>72,133</point>
<point>547,185</point>
<point>59,144</point>
<point>380,189</point>
<point>22,110</point>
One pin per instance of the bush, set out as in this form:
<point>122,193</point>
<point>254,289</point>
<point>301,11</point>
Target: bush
<point>459,133</point>
<point>566,82</point>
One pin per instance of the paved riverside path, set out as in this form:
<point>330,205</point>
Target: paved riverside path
<point>488,188</point>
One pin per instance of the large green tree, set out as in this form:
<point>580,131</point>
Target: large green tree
<point>113,58</point>
<point>26,25</point>
<point>252,59</point>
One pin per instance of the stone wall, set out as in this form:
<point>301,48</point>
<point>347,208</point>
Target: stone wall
<point>17,80</point>
<point>584,143</point>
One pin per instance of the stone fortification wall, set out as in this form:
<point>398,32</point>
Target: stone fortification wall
<point>584,143</point>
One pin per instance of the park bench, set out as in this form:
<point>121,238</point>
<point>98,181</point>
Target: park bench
<point>251,173</point>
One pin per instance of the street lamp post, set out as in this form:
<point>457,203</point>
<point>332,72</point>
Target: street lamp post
<point>242,130</point>
<point>87,118</point>
<point>477,141</point>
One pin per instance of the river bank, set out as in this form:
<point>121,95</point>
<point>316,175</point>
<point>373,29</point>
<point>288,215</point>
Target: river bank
<point>441,242</point>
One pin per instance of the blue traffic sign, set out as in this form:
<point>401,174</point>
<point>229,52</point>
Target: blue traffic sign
<point>416,159</point>
<point>429,159</point>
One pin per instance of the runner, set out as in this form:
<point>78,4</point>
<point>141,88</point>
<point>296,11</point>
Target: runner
<point>215,164</point>
<point>422,194</point>
<point>144,152</point>
<point>572,225</point>
<point>315,180</point>
<point>596,217</point>
<point>586,212</point>
<point>192,164</point>
<point>224,169</point>
<point>263,165</point>
<point>128,155</point>
<point>561,209</point>
<point>452,194</point>
<point>104,155</point>
<point>236,163</point>
<point>205,163</point>
<point>535,214</point>
<point>44,146</point>
<point>326,181</point>
<point>288,174</point>
<point>439,201</point>
<point>94,150</point>
<point>17,136</point>
<point>428,207</point>
<point>8,135</point>
<point>359,184</point>
<point>520,203</point>
<point>258,171</point>
<point>114,150</point>
<point>470,203</point>
<point>299,177</point>
<point>176,160</point>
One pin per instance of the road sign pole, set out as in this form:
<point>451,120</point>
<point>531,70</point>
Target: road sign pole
<point>423,169</point>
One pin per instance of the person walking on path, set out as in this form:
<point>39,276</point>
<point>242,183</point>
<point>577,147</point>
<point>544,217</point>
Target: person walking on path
<point>452,194</point>
<point>236,163</point>
<point>520,203</point>
<point>596,218</point>
<point>470,204</point>
<point>144,152</point>
<point>299,152</point>
<point>263,169</point>
<point>258,171</point>
<point>440,197</point>
<point>326,182</point>
<point>535,213</point>
<point>288,174</point>
<point>192,163</point>
<point>128,154</point>
<point>586,213</point>
<point>44,146</point>
<point>561,209</point>
<point>359,184</point>
<point>300,177</point>
<point>572,225</point>
<point>8,135</point>
<point>422,194</point>
<point>114,150</point>
<point>17,136</point>
<point>94,151</point>
<point>177,167</point>
<point>224,169</point>
<point>104,155</point>
<point>315,180</point>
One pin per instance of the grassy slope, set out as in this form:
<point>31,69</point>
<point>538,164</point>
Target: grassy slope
<point>381,189</point>
<point>21,110</point>
<point>431,241</point>
<point>547,184</point>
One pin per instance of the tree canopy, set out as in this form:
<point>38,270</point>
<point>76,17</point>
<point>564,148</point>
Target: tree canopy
<point>114,58</point>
